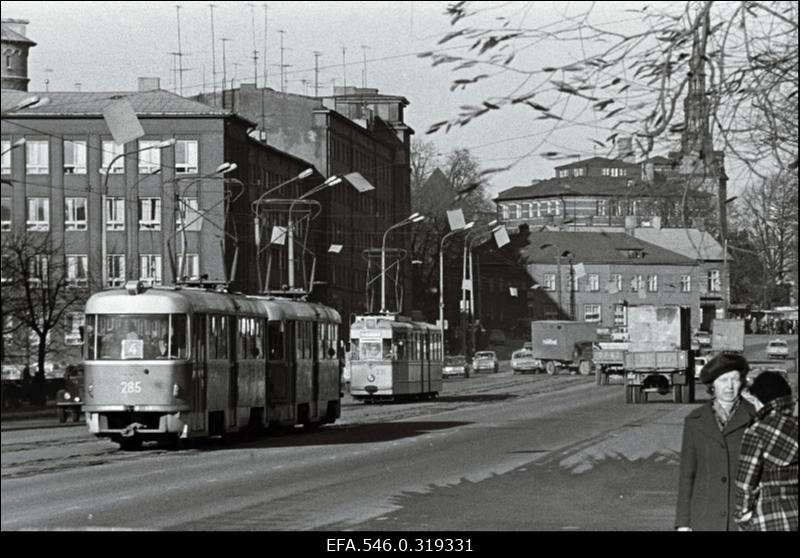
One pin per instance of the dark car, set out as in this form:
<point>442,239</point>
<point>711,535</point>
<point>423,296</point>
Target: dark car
<point>70,399</point>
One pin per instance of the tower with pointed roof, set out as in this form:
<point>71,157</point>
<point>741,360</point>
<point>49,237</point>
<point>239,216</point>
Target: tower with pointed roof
<point>15,54</point>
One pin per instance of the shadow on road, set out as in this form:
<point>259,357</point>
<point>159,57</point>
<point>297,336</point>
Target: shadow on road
<point>477,398</point>
<point>334,435</point>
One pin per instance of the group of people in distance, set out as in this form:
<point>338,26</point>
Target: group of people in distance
<point>739,465</point>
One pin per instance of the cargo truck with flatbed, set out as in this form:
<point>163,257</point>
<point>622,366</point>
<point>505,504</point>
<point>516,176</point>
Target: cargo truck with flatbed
<point>563,345</point>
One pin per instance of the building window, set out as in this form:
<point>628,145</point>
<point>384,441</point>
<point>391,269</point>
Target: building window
<point>526,210</point>
<point>504,209</point>
<point>149,214</point>
<point>149,156</point>
<point>591,312</point>
<point>185,156</point>
<point>38,214</point>
<point>115,214</point>
<point>74,328</point>
<point>686,283</point>
<point>74,157</point>
<point>550,311</point>
<point>77,266</point>
<point>563,173</point>
<point>537,209</point>
<point>549,281</point>
<point>192,266</point>
<point>38,157</point>
<point>5,167</point>
<point>38,268</point>
<point>594,282</point>
<point>637,283</point>
<point>75,214</point>
<point>616,282</point>
<point>512,211</point>
<point>112,151</point>
<point>652,283</point>
<point>714,283</point>
<point>115,265</point>
<point>578,172</point>
<point>150,268</point>
<point>187,207</point>
<point>620,315</point>
<point>6,211</point>
<point>636,207</point>
<point>602,207</point>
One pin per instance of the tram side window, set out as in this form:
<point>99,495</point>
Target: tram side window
<point>137,336</point>
<point>355,351</point>
<point>400,346</point>
<point>275,340</point>
<point>218,337</point>
<point>89,344</point>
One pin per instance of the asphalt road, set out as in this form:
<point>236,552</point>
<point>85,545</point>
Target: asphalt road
<point>494,452</point>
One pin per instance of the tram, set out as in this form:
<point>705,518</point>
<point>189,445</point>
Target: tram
<point>171,363</point>
<point>392,357</point>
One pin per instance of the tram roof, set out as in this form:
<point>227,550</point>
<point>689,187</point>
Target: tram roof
<point>170,300</point>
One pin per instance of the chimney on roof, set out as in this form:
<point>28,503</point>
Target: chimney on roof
<point>625,150</point>
<point>149,84</point>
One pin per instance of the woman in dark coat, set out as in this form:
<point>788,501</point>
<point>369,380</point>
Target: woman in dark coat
<point>766,484</point>
<point>712,435</point>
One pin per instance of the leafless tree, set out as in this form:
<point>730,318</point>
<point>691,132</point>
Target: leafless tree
<point>37,294</point>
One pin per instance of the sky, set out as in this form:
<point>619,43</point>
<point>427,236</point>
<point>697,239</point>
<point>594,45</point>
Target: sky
<point>106,46</point>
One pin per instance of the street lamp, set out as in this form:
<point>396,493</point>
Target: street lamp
<point>413,218</point>
<point>466,311</point>
<point>559,255</point>
<point>331,181</point>
<point>726,295</point>
<point>467,227</point>
<point>304,174</point>
<point>107,172</point>
<point>20,142</point>
<point>28,102</point>
<point>180,206</point>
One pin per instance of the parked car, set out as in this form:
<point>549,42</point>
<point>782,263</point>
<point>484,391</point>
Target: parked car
<point>699,363</point>
<point>455,365</point>
<point>485,360</point>
<point>70,399</point>
<point>777,348</point>
<point>523,361</point>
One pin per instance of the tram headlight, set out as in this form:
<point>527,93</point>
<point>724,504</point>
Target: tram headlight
<point>67,396</point>
<point>371,377</point>
<point>90,389</point>
<point>176,390</point>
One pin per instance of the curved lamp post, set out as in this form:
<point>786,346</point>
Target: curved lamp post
<point>413,218</point>
<point>467,227</point>
<point>104,226</point>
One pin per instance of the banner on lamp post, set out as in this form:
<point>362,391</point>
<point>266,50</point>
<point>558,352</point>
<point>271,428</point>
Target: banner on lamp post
<point>501,237</point>
<point>278,235</point>
<point>122,121</point>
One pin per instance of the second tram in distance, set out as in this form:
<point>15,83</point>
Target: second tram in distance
<point>392,357</point>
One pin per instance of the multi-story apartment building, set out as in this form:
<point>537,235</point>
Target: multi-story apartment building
<point>355,130</point>
<point>157,199</point>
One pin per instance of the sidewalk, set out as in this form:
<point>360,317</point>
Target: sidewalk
<point>26,412</point>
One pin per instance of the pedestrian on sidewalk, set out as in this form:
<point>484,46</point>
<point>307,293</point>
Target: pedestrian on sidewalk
<point>766,482</point>
<point>712,436</point>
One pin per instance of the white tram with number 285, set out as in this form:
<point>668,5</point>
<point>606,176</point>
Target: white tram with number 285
<point>392,357</point>
<point>170,363</point>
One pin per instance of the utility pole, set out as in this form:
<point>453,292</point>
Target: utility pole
<point>224,71</point>
<point>344,67</point>
<point>283,82</point>
<point>180,54</point>
<point>364,76</point>
<point>317,54</point>
<point>213,56</point>
<point>266,74</point>
<point>255,52</point>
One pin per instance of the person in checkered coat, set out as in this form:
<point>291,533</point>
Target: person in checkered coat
<point>766,481</point>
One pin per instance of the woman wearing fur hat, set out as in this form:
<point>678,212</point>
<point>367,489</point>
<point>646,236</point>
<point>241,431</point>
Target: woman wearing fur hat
<point>712,435</point>
<point>766,484</point>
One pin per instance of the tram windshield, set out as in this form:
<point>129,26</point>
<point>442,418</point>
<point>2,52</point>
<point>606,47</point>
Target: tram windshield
<point>136,336</point>
<point>372,349</point>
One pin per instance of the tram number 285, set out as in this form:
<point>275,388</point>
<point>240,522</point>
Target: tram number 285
<point>131,387</point>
